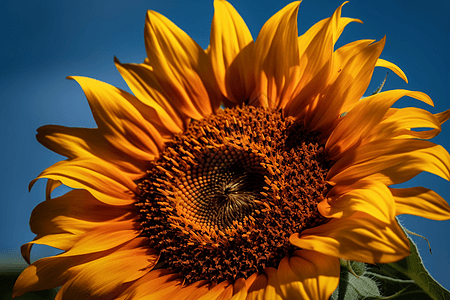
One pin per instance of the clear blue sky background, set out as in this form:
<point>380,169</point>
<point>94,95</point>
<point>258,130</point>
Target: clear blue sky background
<point>42,42</point>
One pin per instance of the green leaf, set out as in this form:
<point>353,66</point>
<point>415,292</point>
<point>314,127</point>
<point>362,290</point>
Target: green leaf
<point>407,279</point>
<point>354,284</point>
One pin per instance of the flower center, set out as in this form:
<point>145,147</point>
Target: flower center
<point>224,197</point>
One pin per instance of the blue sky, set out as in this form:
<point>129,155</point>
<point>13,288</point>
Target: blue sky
<point>45,41</point>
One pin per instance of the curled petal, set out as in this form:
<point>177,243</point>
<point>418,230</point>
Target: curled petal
<point>392,67</point>
<point>400,122</point>
<point>51,185</point>
<point>390,162</point>
<point>360,237</point>
<point>60,222</point>
<point>371,197</point>
<point>420,202</point>
<point>103,180</point>
<point>86,143</point>
<point>55,271</point>
<point>366,114</point>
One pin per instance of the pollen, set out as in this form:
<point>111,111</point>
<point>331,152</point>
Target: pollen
<point>225,196</point>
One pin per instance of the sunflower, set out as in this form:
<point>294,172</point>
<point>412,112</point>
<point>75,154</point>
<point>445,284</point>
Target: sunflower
<point>243,171</point>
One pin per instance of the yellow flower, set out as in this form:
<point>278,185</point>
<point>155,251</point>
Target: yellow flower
<point>174,196</point>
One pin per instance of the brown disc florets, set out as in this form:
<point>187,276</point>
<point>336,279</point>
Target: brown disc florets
<point>225,196</point>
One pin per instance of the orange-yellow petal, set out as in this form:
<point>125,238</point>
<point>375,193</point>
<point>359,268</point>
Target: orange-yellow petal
<point>399,123</point>
<point>103,180</point>
<point>258,288</point>
<point>276,56</point>
<point>390,162</point>
<point>240,288</point>
<point>371,197</point>
<point>86,142</point>
<point>50,186</point>
<point>420,202</point>
<point>105,276</point>
<point>308,275</point>
<point>143,83</point>
<point>273,287</point>
<point>319,66</point>
<point>181,67</point>
<point>62,241</point>
<point>104,237</point>
<point>54,271</point>
<point>366,114</point>
<point>61,221</point>
<point>386,64</point>
<point>347,89</point>
<point>155,285</point>
<point>216,291</point>
<point>193,291</point>
<point>230,62</point>
<point>122,119</point>
<point>227,293</point>
<point>360,237</point>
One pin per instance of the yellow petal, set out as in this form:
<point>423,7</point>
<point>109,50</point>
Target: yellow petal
<point>87,142</point>
<point>120,118</point>
<point>103,180</point>
<point>62,241</point>
<point>227,293</point>
<point>229,37</point>
<point>347,89</point>
<point>420,202</point>
<point>273,287</point>
<point>344,54</point>
<point>193,291</point>
<point>443,116</point>
<point>54,271</point>
<point>143,83</point>
<point>51,185</point>
<point>104,237</point>
<point>104,277</point>
<point>216,291</point>
<point>181,67</point>
<point>153,282</point>
<point>275,54</point>
<point>60,222</point>
<point>371,197</point>
<point>308,275</point>
<point>240,289</point>
<point>400,122</point>
<point>75,212</point>
<point>390,162</point>
<point>392,67</point>
<point>316,48</point>
<point>258,288</point>
<point>366,114</point>
<point>360,237</point>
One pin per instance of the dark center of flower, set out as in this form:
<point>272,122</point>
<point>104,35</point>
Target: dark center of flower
<point>225,196</point>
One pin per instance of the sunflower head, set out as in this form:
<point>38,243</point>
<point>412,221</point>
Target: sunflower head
<point>244,171</point>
